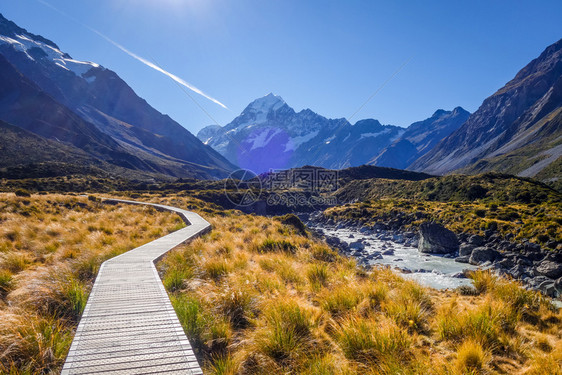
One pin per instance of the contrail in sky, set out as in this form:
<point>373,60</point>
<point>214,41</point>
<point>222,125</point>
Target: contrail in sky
<point>139,58</point>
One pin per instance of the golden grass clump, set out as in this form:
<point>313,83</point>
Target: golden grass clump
<point>472,358</point>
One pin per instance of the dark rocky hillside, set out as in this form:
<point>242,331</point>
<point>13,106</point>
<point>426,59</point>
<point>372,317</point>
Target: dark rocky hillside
<point>516,130</point>
<point>95,110</point>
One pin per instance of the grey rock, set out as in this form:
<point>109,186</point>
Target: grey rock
<point>554,256</point>
<point>481,255</point>
<point>436,239</point>
<point>462,259</point>
<point>532,247</point>
<point>476,240</point>
<point>409,234</point>
<point>518,271</point>
<point>524,261</point>
<point>536,281</point>
<point>558,286</point>
<point>506,263</point>
<point>459,275</point>
<point>548,288</point>
<point>550,269</point>
<point>466,249</point>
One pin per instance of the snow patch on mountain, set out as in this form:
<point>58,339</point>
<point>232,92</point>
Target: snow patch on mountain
<point>367,135</point>
<point>295,142</point>
<point>262,138</point>
<point>31,47</point>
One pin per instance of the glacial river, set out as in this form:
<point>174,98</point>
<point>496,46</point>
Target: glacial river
<point>430,270</point>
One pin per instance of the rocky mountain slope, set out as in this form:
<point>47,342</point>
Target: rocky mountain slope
<point>420,137</point>
<point>95,104</point>
<point>516,130</point>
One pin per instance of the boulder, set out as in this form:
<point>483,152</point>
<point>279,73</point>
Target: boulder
<point>462,259</point>
<point>476,240</point>
<point>549,288</point>
<point>357,245</point>
<point>554,256</point>
<point>506,263</point>
<point>409,234</point>
<point>531,247</point>
<point>436,239</point>
<point>481,255</point>
<point>466,249</point>
<point>535,282</point>
<point>549,269</point>
<point>518,271</point>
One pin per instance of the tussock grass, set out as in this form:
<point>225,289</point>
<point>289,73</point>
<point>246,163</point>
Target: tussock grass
<point>318,275</point>
<point>51,248</point>
<point>32,344</point>
<point>289,304</point>
<point>547,363</point>
<point>472,358</point>
<point>372,342</point>
<point>285,331</point>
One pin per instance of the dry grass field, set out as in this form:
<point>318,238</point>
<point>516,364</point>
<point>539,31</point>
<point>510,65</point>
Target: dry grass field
<point>51,247</point>
<point>259,295</point>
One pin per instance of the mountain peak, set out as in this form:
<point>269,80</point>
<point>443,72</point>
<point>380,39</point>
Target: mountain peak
<point>459,110</point>
<point>439,112</point>
<point>270,102</point>
<point>37,48</point>
<point>10,29</point>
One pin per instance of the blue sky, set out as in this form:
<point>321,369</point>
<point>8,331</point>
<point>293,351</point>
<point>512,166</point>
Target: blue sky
<point>329,56</point>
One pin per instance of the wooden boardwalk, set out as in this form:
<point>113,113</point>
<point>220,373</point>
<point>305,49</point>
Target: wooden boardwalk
<point>129,325</point>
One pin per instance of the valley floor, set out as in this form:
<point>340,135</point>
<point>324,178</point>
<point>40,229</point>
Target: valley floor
<point>260,295</point>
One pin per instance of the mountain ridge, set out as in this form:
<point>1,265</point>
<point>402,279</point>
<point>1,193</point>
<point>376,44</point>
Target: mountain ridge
<point>98,96</point>
<point>515,128</point>
<point>269,135</point>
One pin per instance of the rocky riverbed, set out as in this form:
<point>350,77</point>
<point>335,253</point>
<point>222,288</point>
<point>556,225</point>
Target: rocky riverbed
<point>439,258</point>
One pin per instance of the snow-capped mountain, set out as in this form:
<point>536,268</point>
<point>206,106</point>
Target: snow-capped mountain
<point>102,101</point>
<point>269,134</point>
<point>420,137</point>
